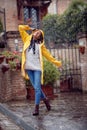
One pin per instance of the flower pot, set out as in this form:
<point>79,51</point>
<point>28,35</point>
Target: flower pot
<point>82,49</point>
<point>1,59</point>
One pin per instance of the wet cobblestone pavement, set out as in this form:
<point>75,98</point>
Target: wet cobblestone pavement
<point>69,112</point>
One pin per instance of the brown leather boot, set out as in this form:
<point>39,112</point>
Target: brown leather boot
<point>36,112</point>
<point>46,101</point>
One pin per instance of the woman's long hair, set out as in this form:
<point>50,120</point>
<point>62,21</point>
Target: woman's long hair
<point>41,38</point>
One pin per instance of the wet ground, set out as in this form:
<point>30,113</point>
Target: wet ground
<point>69,112</point>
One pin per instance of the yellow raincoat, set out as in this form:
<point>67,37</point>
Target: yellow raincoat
<point>43,51</point>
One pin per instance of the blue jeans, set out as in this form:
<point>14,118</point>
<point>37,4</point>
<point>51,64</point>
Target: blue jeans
<point>35,78</point>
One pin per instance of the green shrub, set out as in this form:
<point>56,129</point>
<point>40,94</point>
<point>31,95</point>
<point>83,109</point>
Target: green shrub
<point>64,28</point>
<point>51,73</point>
<point>49,27</point>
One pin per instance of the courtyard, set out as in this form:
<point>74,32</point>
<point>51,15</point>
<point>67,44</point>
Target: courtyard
<point>69,112</point>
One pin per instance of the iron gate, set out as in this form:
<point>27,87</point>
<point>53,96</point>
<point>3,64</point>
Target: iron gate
<point>71,71</point>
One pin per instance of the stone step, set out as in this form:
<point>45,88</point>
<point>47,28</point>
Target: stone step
<point>16,120</point>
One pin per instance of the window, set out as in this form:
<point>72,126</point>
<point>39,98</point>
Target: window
<point>33,13</point>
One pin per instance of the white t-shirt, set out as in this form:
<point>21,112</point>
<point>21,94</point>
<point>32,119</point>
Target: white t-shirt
<point>33,60</point>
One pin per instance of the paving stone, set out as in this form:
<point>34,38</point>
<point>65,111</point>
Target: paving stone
<point>7,124</point>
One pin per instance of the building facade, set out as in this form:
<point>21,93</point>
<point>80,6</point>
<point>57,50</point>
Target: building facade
<point>12,84</point>
<point>59,6</point>
<point>16,10</point>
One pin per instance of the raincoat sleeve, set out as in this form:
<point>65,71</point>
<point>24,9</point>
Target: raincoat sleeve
<point>49,57</point>
<point>23,33</point>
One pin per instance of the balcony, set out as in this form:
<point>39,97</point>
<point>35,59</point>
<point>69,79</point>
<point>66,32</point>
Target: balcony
<point>41,4</point>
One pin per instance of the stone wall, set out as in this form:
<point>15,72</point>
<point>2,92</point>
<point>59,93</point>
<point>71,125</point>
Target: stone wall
<point>84,67</point>
<point>84,71</point>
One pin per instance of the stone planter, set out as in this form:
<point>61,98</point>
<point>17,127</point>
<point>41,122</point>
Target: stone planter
<point>30,93</point>
<point>48,90</point>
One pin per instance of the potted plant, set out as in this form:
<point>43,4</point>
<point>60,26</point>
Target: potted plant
<point>13,59</point>
<point>12,65</point>
<point>8,55</point>
<point>51,74</point>
<point>15,64</point>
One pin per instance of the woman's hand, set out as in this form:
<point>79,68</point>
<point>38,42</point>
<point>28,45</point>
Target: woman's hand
<point>28,22</point>
<point>20,22</point>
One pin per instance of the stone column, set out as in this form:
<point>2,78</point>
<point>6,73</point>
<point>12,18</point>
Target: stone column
<point>83,40</point>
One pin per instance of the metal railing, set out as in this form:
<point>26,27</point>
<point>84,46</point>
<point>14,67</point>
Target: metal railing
<point>71,68</point>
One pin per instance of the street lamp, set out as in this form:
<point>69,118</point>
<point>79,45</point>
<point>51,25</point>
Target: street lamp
<point>16,44</point>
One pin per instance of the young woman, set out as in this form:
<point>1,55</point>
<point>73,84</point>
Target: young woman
<point>32,62</point>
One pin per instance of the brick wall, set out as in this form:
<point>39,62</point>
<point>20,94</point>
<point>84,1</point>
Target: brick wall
<point>18,85</point>
<point>11,14</point>
<point>11,43</point>
<point>12,86</point>
<point>5,87</point>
